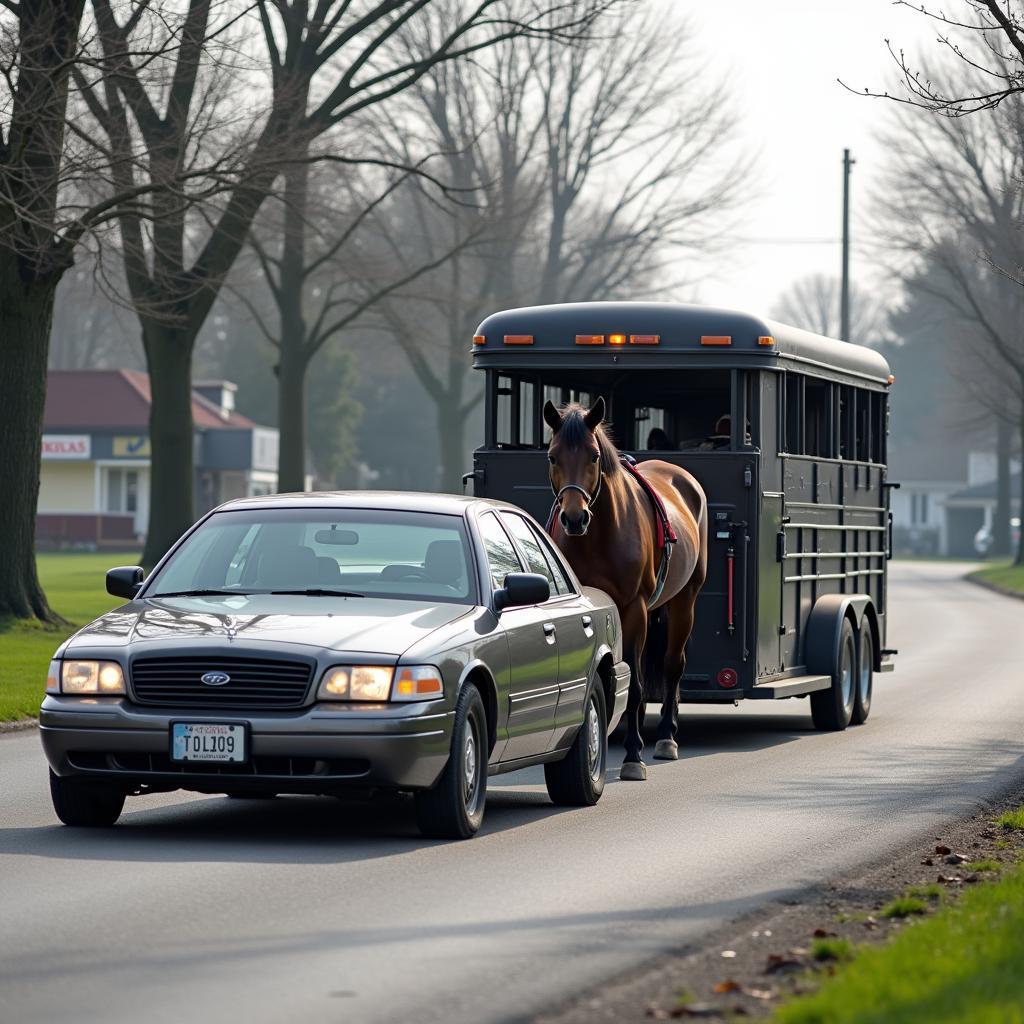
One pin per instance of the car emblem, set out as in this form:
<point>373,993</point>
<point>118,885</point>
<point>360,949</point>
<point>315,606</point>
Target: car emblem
<point>215,678</point>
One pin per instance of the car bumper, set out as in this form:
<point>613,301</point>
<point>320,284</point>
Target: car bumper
<point>318,749</point>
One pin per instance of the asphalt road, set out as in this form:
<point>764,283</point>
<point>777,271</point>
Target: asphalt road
<point>305,909</point>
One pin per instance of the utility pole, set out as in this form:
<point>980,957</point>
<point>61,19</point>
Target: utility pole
<point>844,300</point>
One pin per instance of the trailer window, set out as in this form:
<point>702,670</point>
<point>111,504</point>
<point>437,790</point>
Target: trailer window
<point>817,429</point>
<point>516,412</point>
<point>793,441</point>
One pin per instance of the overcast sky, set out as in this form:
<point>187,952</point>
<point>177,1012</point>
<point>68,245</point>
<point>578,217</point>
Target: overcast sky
<point>782,59</point>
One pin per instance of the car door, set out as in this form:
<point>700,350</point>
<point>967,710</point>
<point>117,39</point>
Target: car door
<point>572,617</point>
<point>533,653</point>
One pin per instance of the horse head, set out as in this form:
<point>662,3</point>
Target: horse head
<point>576,462</point>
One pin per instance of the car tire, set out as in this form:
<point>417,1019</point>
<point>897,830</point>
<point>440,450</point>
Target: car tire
<point>832,709</point>
<point>578,779</point>
<point>865,674</point>
<point>454,808</point>
<point>85,802</point>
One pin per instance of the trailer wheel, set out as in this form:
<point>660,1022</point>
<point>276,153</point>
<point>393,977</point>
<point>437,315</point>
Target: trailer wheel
<point>832,709</point>
<point>865,674</point>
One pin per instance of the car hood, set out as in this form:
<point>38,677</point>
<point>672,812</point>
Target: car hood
<point>369,625</point>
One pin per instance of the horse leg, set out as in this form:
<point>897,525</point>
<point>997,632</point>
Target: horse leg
<point>634,632</point>
<point>680,626</point>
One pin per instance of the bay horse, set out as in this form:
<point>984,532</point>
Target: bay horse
<point>608,527</point>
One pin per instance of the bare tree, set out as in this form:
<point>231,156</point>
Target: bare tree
<point>543,146</point>
<point>953,209</point>
<point>38,44</point>
<point>812,302</point>
<point>327,63</point>
<point>983,37</point>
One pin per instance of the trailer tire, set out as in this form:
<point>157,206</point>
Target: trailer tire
<point>865,674</point>
<point>832,709</point>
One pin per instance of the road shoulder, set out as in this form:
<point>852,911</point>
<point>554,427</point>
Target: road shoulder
<point>746,968</point>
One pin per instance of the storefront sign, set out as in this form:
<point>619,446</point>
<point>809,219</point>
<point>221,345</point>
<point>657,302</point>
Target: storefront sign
<point>66,446</point>
<point>132,447</point>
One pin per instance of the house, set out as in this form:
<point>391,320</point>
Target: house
<point>94,480</point>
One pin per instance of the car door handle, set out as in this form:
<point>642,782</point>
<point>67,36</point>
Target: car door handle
<point>549,629</point>
<point>587,621</point>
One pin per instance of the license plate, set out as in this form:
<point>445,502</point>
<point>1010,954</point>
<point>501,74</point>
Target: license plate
<point>208,741</point>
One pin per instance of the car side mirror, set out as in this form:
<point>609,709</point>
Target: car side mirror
<point>124,581</point>
<point>522,588</point>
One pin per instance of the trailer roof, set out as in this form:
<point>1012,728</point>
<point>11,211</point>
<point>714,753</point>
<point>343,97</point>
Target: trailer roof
<point>680,330</point>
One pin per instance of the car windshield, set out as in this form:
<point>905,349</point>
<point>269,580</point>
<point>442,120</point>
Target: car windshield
<point>354,552</point>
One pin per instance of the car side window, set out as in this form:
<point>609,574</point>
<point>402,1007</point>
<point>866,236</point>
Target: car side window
<point>501,555</point>
<point>565,585</point>
<point>536,560</point>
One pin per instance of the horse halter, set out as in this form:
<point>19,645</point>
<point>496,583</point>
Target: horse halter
<point>591,498</point>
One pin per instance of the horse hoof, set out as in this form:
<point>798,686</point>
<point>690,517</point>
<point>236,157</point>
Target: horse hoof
<point>666,750</point>
<point>633,771</point>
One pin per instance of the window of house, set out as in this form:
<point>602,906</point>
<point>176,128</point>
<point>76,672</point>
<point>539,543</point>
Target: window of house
<point>122,490</point>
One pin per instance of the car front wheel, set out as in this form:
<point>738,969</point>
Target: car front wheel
<point>454,808</point>
<point>578,779</point>
<point>85,802</point>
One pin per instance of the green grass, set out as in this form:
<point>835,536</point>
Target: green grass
<point>978,866</point>
<point>961,964</point>
<point>904,906</point>
<point>1012,820</point>
<point>1009,576</point>
<point>932,891</point>
<point>831,950</point>
<point>75,588</point>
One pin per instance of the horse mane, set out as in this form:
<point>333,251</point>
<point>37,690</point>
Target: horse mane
<point>574,431</point>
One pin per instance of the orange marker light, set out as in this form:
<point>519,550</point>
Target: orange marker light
<point>518,339</point>
<point>716,339</point>
<point>589,339</point>
<point>616,339</point>
<point>766,339</point>
<point>479,339</point>
<point>644,339</point>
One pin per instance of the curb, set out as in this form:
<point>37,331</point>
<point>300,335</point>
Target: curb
<point>972,577</point>
<point>21,725</point>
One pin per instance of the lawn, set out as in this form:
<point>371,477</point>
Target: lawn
<point>962,964</point>
<point>1009,576</point>
<point>75,588</point>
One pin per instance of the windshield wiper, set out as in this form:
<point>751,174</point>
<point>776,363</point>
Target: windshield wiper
<point>203,593</point>
<point>319,592</point>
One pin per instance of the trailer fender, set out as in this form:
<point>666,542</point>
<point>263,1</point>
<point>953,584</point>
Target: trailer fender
<point>824,627</point>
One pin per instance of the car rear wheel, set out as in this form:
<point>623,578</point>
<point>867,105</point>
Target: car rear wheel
<point>832,709</point>
<point>865,674</point>
<point>454,808</point>
<point>85,802</point>
<point>578,779</point>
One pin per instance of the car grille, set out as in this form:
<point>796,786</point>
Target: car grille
<point>259,766</point>
<point>255,683</point>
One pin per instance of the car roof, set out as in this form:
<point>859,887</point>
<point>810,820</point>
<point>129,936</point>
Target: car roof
<point>410,501</point>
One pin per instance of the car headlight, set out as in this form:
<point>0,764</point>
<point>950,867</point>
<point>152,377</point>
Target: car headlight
<point>356,682</point>
<point>417,682</point>
<point>102,677</point>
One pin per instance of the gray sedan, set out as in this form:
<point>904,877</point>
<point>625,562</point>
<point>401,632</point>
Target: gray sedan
<point>316,643</point>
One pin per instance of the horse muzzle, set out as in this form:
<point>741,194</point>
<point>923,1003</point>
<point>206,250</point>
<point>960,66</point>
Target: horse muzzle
<point>575,526</point>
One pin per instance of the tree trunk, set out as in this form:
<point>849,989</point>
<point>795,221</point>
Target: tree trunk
<point>26,313</point>
<point>291,410</point>
<point>172,468</point>
<point>1001,524</point>
<point>451,426</point>
<point>1019,560</point>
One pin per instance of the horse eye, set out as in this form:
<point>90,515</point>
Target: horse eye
<point>594,457</point>
<point>551,459</point>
